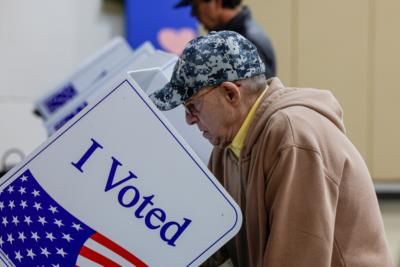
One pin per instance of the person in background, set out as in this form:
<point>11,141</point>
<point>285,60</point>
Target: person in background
<point>216,15</point>
<point>305,193</point>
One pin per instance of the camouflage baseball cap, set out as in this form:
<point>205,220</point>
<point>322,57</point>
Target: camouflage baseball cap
<point>208,61</point>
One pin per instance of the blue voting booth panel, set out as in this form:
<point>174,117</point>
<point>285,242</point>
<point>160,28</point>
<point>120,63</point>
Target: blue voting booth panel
<point>166,28</point>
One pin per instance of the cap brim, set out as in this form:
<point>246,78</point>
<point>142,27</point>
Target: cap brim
<point>183,3</point>
<point>166,98</point>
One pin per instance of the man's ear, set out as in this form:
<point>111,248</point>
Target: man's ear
<point>231,93</point>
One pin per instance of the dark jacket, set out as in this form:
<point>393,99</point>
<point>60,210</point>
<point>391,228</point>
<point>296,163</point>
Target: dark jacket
<point>244,24</point>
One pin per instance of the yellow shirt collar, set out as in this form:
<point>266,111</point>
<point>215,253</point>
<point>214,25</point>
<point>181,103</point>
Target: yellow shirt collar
<point>238,141</point>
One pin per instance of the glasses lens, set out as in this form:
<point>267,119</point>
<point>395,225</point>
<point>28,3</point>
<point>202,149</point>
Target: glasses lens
<point>190,109</point>
<point>193,105</point>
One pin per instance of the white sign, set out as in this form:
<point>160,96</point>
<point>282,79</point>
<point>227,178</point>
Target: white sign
<point>115,185</point>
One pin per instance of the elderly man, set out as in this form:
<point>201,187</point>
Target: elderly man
<point>306,195</point>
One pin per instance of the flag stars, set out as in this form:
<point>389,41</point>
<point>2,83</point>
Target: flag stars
<point>55,265</point>
<point>1,205</point>
<point>35,236</point>
<point>27,220</point>
<point>53,209</point>
<point>23,204</point>
<point>77,226</point>
<point>10,189</point>
<point>24,178</point>
<point>30,253</point>
<point>45,252</point>
<point>4,221</point>
<point>67,237</point>
<point>15,220</point>
<point>61,252</point>
<point>21,236</point>
<point>10,238</point>
<point>1,241</point>
<point>42,220</point>
<point>18,256</point>
<point>50,236</point>
<point>37,206</point>
<point>35,193</point>
<point>11,204</point>
<point>22,190</point>
<point>58,223</point>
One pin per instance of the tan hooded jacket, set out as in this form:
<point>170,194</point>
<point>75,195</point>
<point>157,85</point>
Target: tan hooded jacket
<point>305,192</point>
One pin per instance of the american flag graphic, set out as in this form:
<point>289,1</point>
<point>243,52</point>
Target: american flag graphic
<point>36,231</point>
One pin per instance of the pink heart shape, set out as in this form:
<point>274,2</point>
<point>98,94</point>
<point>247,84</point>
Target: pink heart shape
<point>174,40</point>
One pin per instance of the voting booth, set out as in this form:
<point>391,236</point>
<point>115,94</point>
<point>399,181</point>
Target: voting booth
<point>102,189</point>
<point>117,184</point>
<point>150,67</point>
<point>97,68</point>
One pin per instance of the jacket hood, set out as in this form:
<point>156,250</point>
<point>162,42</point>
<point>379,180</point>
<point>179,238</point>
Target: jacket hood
<point>279,97</point>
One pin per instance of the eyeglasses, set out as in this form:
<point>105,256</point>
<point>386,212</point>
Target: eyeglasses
<point>193,106</point>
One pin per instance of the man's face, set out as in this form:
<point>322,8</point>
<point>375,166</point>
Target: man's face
<point>206,11</point>
<point>212,115</point>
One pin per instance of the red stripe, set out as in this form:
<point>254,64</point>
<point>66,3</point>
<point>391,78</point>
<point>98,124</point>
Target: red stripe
<point>99,238</point>
<point>96,257</point>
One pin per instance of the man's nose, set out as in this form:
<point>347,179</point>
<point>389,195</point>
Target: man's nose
<point>190,119</point>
